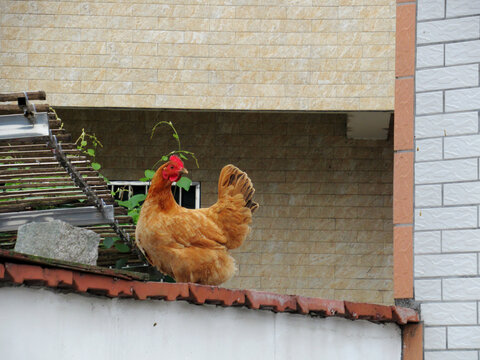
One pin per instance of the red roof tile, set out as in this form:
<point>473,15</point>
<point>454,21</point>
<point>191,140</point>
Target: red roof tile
<point>157,290</point>
<point>403,315</point>
<point>372,312</point>
<point>200,294</point>
<point>271,301</point>
<point>322,307</point>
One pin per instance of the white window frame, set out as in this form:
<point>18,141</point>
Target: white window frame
<point>127,183</point>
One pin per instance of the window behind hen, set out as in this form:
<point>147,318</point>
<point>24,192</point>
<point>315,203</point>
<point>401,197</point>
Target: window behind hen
<point>124,190</point>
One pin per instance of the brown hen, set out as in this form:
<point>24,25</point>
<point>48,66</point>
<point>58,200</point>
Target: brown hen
<point>191,244</point>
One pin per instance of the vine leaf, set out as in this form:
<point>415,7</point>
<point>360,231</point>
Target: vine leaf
<point>184,183</point>
<point>109,241</point>
<point>149,174</point>
<point>121,247</point>
<point>120,263</point>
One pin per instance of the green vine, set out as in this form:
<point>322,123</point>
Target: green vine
<point>83,145</point>
<point>184,181</point>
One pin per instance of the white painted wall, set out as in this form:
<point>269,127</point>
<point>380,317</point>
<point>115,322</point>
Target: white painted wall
<point>40,324</point>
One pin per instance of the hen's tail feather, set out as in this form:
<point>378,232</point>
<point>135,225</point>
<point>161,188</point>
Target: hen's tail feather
<point>233,176</point>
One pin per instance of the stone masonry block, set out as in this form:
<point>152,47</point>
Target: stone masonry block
<point>429,103</point>
<point>462,52</point>
<point>461,288</point>
<point>426,290</point>
<point>448,30</point>
<point>463,337</point>
<point>427,242</point>
<point>435,338</point>
<point>429,149</point>
<point>58,240</point>
<point>446,171</point>
<point>447,78</point>
<point>445,265</point>
<point>462,99</point>
<point>451,355</point>
<point>461,240</point>
<point>462,146</point>
<point>462,7</point>
<point>463,193</point>
<point>429,56</point>
<point>446,124</point>
<point>446,218</point>
<point>430,9</point>
<point>449,313</point>
<point>428,195</point>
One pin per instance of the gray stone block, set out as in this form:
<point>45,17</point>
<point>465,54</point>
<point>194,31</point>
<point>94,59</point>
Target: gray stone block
<point>58,240</point>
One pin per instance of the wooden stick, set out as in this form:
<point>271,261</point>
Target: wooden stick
<point>37,141</point>
<point>32,95</point>
<point>15,109</point>
<point>27,153</point>
<point>54,185</point>
<point>45,193</point>
<point>29,184</point>
<point>28,147</point>
<point>8,174</point>
<point>41,164</point>
<point>54,123</point>
<point>38,160</point>
<point>31,203</point>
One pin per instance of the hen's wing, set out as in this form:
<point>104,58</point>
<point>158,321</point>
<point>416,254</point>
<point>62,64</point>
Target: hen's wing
<point>233,210</point>
<point>194,228</point>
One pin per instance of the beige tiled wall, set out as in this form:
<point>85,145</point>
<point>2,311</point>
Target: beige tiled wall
<point>245,54</point>
<point>324,226</point>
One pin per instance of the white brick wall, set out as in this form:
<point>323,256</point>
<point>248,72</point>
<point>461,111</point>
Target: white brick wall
<point>461,240</point>
<point>445,265</point>
<point>462,99</point>
<point>446,218</point>
<point>426,290</point>
<point>459,53</point>
<point>446,124</point>
<point>448,30</point>
<point>462,146</point>
<point>435,338</point>
<point>461,193</point>
<point>429,103</point>
<point>429,149</point>
<point>431,55</point>
<point>461,288</point>
<point>451,355</point>
<point>462,7</point>
<point>428,195</point>
<point>464,337</point>
<point>447,77</point>
<point>447,183</point>
<point>431,9</point>
<point>446,171</point>
<point>427,242</point>
<point>450,313</point>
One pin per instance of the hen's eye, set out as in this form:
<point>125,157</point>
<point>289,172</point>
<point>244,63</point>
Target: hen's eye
<point>171,167</point>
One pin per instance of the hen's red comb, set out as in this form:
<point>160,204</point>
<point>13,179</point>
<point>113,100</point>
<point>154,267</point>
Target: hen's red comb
<point>176,160</point>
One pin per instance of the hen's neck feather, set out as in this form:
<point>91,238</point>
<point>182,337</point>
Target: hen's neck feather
<point>160,192</point>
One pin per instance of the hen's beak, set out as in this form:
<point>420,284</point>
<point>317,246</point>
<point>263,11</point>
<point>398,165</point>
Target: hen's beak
<point>183,171</point>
